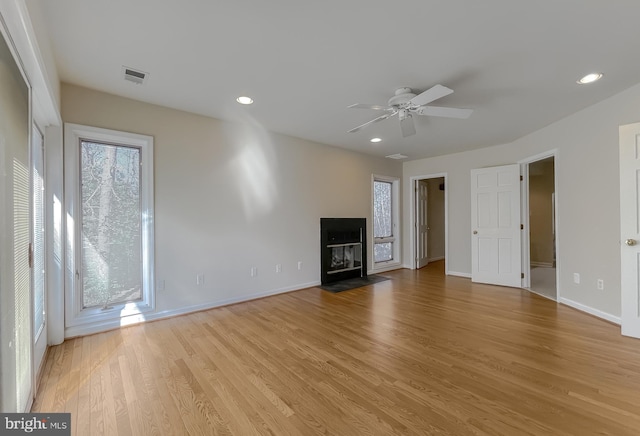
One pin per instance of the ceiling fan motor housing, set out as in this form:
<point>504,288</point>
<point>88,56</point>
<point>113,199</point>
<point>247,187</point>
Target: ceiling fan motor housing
<point>402,97</point>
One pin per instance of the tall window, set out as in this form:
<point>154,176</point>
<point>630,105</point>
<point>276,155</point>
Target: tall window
<point>113,232</point>
<point>110,221</point>
<point>385,220</point>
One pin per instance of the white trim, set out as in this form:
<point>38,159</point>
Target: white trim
<point>459,274</point>
<point>75,315</point>
<point>435,259</point>
<point>525,240</point>
<point>590,310</point>
<point>81,330</point>
<point>539,156</point>
<point>55,234</point>
<point>390,266</point>
<point>412,214</point>
<point>15,15</point>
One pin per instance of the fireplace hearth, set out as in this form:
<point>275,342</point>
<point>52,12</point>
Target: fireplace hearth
<point>344,249</point>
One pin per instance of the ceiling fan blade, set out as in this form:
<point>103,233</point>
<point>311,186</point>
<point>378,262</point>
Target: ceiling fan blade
<point>430,95</point>
<point>407,126</point>
<point>449,112</point>
<point>376,107</point>
<point>375,120</point>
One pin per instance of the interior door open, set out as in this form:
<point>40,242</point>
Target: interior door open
<point>422,256</point>
<point>496,226</point>
<point>630,228</point>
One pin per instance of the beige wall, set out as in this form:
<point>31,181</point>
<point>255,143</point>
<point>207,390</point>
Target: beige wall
<point>230,196</point>
<point>541,188</point>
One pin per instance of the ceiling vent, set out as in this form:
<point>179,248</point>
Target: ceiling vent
<point>135,76</point>
<point>397,156</point>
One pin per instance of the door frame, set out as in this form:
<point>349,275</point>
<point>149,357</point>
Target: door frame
<point>413,234</point>
<point>524,204</point>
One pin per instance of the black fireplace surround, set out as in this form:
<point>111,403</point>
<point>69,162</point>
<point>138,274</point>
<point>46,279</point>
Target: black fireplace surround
<point>343,246</point>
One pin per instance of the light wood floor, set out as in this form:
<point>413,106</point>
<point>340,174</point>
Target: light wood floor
<point>420,354</point>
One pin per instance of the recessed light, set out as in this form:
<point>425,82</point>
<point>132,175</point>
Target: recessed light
<point>375,140</point>
<point>590,78</point>
<point>244,100</point>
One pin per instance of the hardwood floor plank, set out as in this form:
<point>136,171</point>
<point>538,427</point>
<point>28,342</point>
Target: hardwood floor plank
<point>97,400</point>
<point>81,421</point>
<point>169,419</point>
<point>74,378</point>
<point>421,353</point>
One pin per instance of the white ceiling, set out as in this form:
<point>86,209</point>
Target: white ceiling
<point>303,62</point>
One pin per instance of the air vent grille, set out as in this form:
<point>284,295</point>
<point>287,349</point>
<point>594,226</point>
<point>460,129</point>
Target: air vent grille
<point>397,156</point>
<point>135,76</point>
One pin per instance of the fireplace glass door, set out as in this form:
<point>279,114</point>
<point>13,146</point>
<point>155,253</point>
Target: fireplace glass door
<point>345,257</point>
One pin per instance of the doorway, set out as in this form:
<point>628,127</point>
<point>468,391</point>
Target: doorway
<point>429,220</point>
<point>541,215</point>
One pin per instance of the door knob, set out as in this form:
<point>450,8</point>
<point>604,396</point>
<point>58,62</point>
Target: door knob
<point>475,232</point>
<point>630,242</point>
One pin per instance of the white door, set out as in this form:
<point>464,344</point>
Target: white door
<point>495,226</point>
<point>630,227</point>
<point>16,352</point>
<point>422,257</point>
<point>38,257</point>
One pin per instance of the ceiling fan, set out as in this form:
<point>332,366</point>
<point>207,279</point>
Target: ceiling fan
<point>405,103</point>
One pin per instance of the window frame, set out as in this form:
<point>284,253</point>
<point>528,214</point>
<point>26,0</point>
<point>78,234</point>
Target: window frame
<point>84,320</point>
<point>394,239</point>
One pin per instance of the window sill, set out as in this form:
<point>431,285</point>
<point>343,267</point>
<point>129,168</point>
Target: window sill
<point>385,266</point>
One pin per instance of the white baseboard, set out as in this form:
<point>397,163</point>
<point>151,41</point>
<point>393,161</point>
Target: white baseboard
<point>591,310</point>
<point>435,259</point>
<point>459,274</point>
<point>71,332</point>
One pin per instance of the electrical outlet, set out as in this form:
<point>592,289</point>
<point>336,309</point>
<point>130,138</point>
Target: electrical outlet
<point>279,268</point>
<point>600,285</point>
<point>160,285</point>
<point>200,279</point>
<point>299,265</point>
<point>254,271</point>
<point>576,278</point>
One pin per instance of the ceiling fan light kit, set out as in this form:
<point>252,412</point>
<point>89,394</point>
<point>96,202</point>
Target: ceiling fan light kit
<point>405,103</point>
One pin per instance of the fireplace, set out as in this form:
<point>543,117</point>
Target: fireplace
<point>343,248</point>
